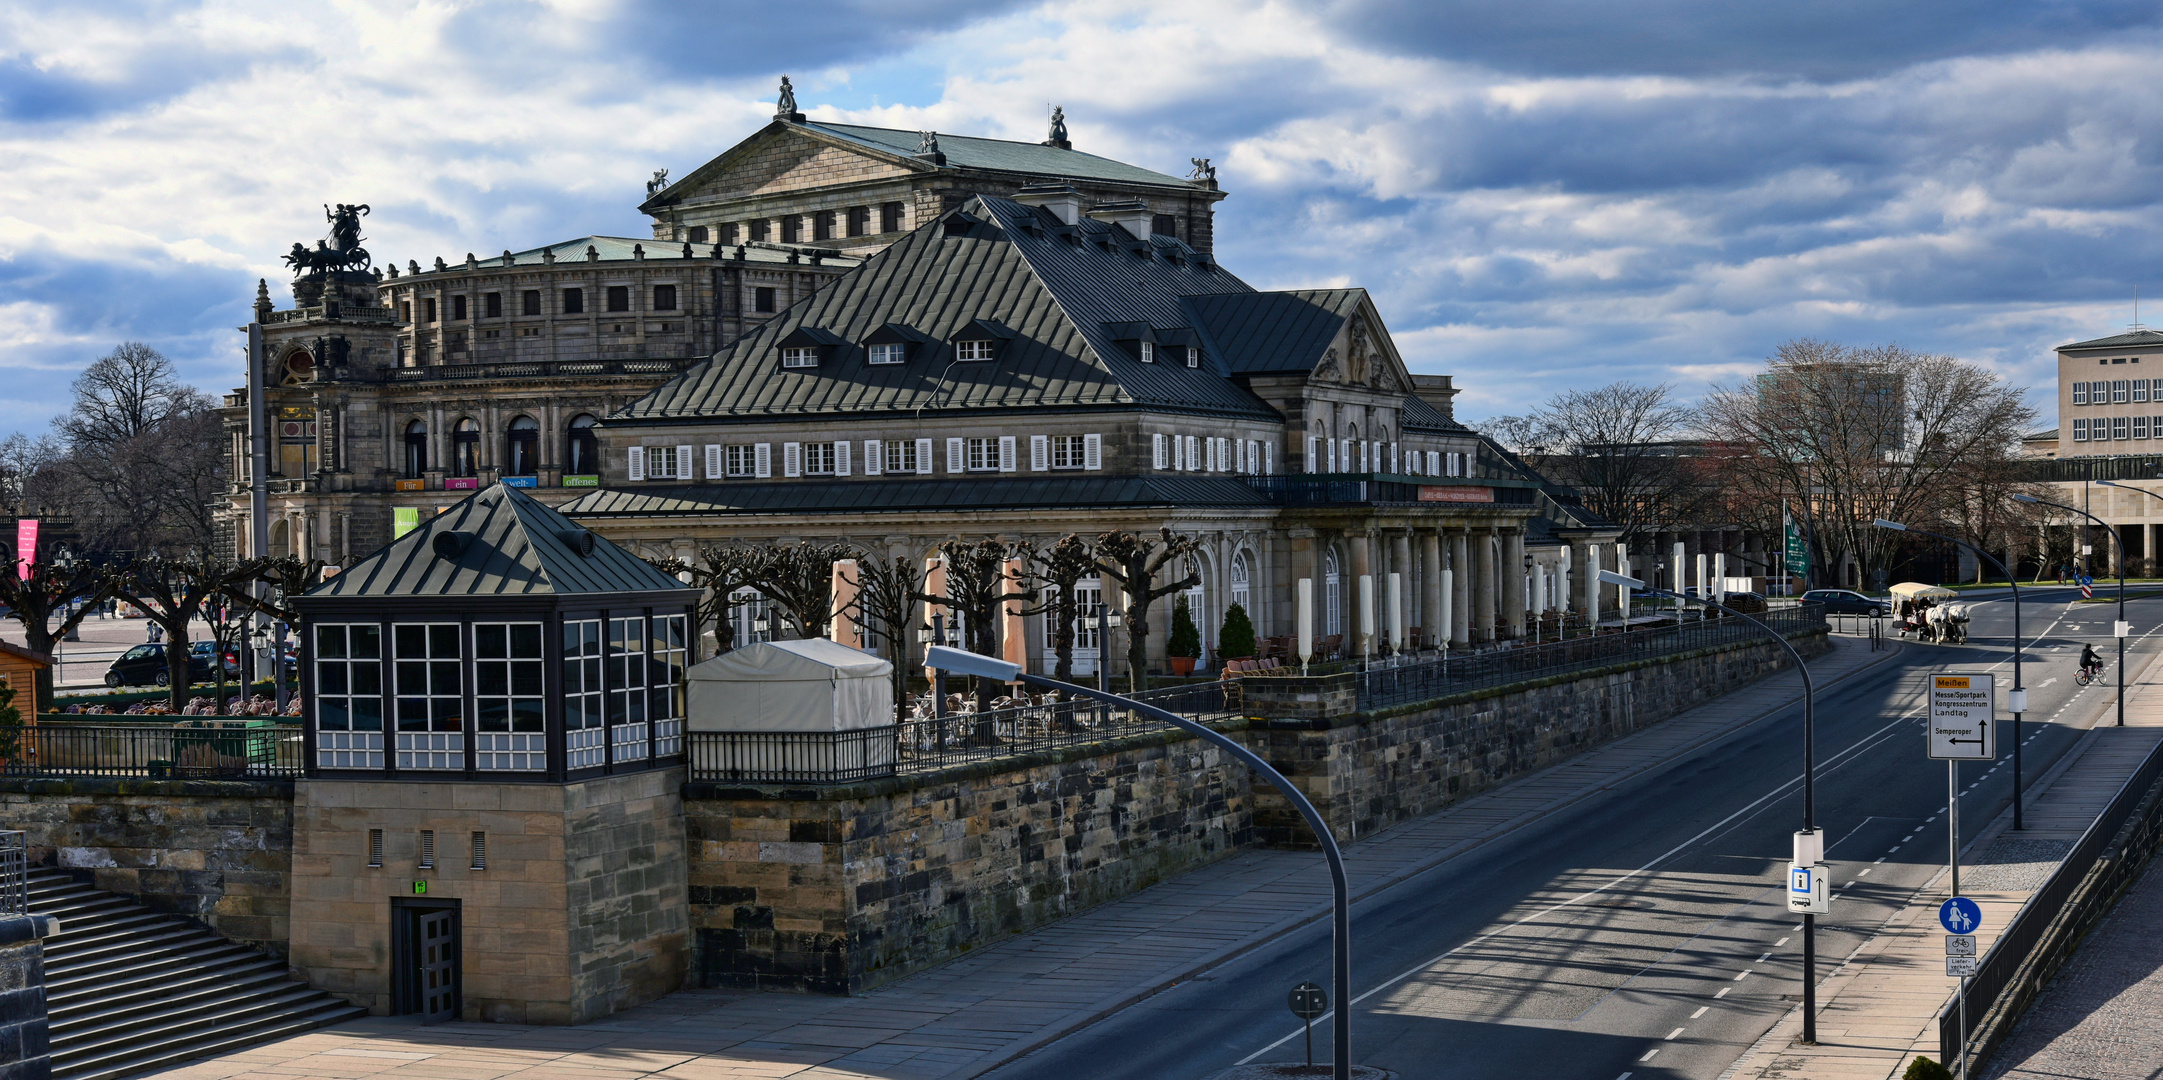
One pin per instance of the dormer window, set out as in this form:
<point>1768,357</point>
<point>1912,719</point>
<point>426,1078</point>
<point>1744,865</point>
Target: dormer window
<point>1194,356</point>
<point>1149,352</point>
<point>979,340</point>
<point>979,349</point>
<point>892,352</point>
<point>800,357</point>
<point>804,346</point>
<point>891,343</point>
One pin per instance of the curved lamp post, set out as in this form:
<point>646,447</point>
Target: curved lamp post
<point>2121,629</point>
<point>2016,702</point>
<point>959,662</point>
<point>1810,928</point>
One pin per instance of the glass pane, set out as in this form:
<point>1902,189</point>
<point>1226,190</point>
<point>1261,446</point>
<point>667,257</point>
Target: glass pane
<point>367,642</point>
<point>494,716</point>
<point>443,641</point>
<point>367,679</point>
<point>411,640</point>
<point>526,716</point>
<point>488,641</point>
<point>445,678</point>
<point>491,680</point>
<point>367,714</point>
<point>445,713</point>
<point>526,678</point>
<point>412,678</point>
<point>330,678</point>
<point>526,640</point>
<point>330,714</point>
<point>412,714</point>
<point>330,641</point>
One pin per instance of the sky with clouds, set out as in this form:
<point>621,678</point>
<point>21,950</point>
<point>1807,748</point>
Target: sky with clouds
<point>1540,194</point>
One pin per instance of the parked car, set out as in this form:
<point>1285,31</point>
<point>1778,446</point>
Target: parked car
<point>1846,602</point>
<point>203,651</point>
<point>145,664</point>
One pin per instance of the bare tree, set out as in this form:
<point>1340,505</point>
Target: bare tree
<point>799,579</point>
<point>1617,446</point>
<point>174,592</point>
<point>886,594</point>
<point>1134,563</point>
<point>1853,434</point>
<point>977,587</point>
<point>720,571</point>
<point>1057,572</point>
<point>144,457</point>
<point>66,589</point>
<point>129,392</point>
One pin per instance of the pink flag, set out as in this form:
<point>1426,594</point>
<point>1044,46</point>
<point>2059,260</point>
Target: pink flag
<point>26,547</point>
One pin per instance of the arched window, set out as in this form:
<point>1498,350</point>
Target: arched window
<point>466,448</point>
<point>1242,593</point>
<point>522,448</point>
<point>1316,440</point>
<point>1332,595</point>
<point>1088,594</point>
<point>1353,451</point>
<point>416,450</point>
<point>582,452</point>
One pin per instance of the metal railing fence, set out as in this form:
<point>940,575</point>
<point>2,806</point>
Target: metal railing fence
<point>14,873</point>
<point>1998,967</point>
<point>158,752</point>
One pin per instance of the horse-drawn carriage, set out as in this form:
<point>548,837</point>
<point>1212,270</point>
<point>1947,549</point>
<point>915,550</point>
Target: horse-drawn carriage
<point>1922,610</point>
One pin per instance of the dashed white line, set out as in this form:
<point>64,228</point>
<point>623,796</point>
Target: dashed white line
<point>1865,871</point>
<point>1722,993</point>
<point>1741,977</point>
<point>1649,1053</point>
<point>1779,943</point>
<point>1671,1035</point>
<point>1701,1010</point>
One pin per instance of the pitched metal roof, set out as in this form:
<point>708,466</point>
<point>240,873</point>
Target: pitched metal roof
<point>1266,332</point>
<point>1001,155</point>
<point>2127,340</point>
<point>1416,414</point>
<point>517,547</point>
<point>1054,286</point>
<point>623,248</point>
<point>943,494</point>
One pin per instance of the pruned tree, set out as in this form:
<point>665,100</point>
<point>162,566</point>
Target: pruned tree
<point>61,589</point>
<point>1058,572</point>
<point>887,592</point>
<point>1135,564</point>
<point>1854,434</point>
<point>977,588</point>
<point>720,570</point>
<point>799,579</point>
<point>173,593</point>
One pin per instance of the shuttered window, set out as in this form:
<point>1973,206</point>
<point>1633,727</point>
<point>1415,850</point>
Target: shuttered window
<point>1314,449</point>
<point>983,455</point>
<point>1092,451</point>
<point>715,467</point>
<point>841,457</point>
<point>874,457</point>
<point>819,458</point>
<point>792,459</point>
<point>1157,452</point>
<point>923,456</point>
<point>955,460</point>
<point>1040,452</point>
<point>2080,393</point>
<point>1006,453</point>
<point>763,461</point>
<point>636,464</point>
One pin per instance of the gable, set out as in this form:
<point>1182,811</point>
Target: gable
<point>781,159</point>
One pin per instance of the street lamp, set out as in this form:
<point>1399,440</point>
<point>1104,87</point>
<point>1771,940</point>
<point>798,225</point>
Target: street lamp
<point>2121,629</point>
<point>2017,700</point>
<point>1810,951</point>
<point>968,663</point>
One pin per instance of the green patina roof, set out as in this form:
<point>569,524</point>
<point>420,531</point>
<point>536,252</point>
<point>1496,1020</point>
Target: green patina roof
<point>614,248</point>
<point>518,547</point>
<point>942,494</point>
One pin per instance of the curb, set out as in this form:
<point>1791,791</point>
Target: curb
<point>1280,929</point>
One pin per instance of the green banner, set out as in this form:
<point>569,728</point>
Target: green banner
<point>1798,550</point>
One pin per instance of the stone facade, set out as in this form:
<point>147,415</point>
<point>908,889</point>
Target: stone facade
<point>577,911</point>
<point>216,850</point>
<point>25,1052</point>
<point>836,890</point>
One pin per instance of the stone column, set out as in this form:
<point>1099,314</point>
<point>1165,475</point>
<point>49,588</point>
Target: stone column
<point>1400,563</point>
<point>1362,545</point>
<point>1430,587</point>
<point>1585,569</point>
<point>1460,589</point>
<point>1484,583</point>
<point>1513,583</point>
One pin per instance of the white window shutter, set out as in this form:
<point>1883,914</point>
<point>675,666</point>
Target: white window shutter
<point>638,463</point>
<point>762,462</point>
<point>684,468</point>
<point>923,456</point>
<point>1039,453</point>
<point>1314,448</point>
<point>713,461</point>
<point>1393,458</point>
<point>1211,455</point>
<point>1430,463</point>
<point>1332,455</point>
<point>792,459</point>
<point>841,457</point>
<point>1092,451</point>
<point>1156,444</point>
<point>1269,463</point>
<point>957,460</point>
<point>874,458</point>
<point>1006,453</point>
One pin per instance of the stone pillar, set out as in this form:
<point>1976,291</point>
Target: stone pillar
<point>1400,563</point>
<point>1483,583</point>
<point>1585,568</point>
<point>1513,583</point>
<point>1362,545</point>
<point>1430,587</point>
<point>1460,589</point>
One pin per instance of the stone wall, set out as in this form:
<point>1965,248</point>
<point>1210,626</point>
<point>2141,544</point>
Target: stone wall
<point>24,1050</point>
<point>578,911</point>
<point>838,889</point>
<point>219,851</point>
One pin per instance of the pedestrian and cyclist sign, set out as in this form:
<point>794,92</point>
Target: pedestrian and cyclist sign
<point>1961,710</point>
<point>1959,915</point>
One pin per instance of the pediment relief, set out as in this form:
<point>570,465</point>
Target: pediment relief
<point>778,162</point>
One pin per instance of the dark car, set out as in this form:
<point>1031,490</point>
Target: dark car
<point>203,651</point>
<point>145,664</point>
<point>1846,602</point>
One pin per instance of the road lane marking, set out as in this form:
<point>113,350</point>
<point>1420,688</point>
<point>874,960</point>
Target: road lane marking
<point>1764,958</point>
<point>1741,977</point>
<point>1649,1053</point>
<point>1865,871</point>
<point>1722,993</point>
<point>1671,1035</point>
<point>1779,943</point>
<point>1701,1010</point>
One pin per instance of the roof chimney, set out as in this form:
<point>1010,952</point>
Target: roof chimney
<point>1057,196</point>
<point>1129,214</point>
<point>1435,390</point>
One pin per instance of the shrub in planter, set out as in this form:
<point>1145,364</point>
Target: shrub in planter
<point>1185,642</point>
<point>1235,640</point>
<point>1923,1068</point>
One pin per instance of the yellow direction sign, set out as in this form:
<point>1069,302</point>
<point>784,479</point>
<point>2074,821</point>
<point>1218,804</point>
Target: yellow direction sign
<point>1961,710</point>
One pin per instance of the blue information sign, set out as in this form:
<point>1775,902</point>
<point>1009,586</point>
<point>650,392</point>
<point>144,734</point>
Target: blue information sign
<point>1959,915</point>
<point>2086,580</point>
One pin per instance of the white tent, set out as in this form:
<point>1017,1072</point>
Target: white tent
<point>813,685</point>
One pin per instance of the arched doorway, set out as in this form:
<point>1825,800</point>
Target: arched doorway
<point>416,450</point>
<point>582,451</point>
<point>522,447</point>
<point>466,448</point>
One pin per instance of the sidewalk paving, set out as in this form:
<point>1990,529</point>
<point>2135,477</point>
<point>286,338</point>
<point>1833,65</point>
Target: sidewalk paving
<point>974,1013</point>
<point>1879,1008</point>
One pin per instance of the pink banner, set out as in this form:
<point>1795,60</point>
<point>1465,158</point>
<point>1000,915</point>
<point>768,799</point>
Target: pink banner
<point>26,547</point>
<point>461,483</point>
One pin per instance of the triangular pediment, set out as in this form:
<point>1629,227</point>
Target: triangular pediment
<point>781,159</point>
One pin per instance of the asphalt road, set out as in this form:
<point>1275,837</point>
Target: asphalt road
<point>1643,932</point>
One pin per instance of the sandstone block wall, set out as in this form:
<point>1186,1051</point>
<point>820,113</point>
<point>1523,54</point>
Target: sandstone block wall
<point>578,912</point>
<point>837,890</point>
<point>218,851</point>
<point>25,1052</point>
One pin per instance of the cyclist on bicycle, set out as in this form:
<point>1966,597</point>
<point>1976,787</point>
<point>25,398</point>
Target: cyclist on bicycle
<point>2090,663</point>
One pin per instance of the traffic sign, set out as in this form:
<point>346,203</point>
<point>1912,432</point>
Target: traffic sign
<point>1960,966</point>
<point>1959,915</point>
<point>1308,1001</point>
<point>1808,890</point>
<point>2087,589</point>
<point>1960,944</point>
<point>1961,710</point>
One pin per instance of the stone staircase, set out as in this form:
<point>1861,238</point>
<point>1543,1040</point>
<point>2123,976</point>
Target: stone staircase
<point>130,990</point>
